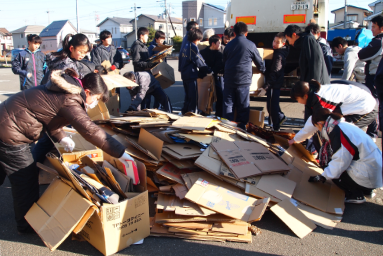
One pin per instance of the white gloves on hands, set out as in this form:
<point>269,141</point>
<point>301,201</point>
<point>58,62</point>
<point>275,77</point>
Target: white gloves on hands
<point>68,144</point>
<point>29,75</point>
<point>126,157</point>
<point>261,92</point>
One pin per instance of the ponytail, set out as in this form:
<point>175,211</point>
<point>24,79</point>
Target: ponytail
<point>72,40</point>
<point>322,114</point>
<point>96,85</point>
<point>300,89</point>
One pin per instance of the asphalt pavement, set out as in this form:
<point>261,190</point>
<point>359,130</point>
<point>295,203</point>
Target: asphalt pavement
<point>359,233</point>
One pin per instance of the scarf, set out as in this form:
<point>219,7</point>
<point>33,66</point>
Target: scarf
<point>326,152</point>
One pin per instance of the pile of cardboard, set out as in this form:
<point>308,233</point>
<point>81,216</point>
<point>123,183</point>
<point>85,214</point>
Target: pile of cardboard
<point>210,179</point>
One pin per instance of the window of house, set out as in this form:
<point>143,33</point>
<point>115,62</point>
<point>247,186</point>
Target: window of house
<point>192,19</point>
<point>21,35</point>
<point>353,17</point>
<point>185,22</point>
<point>210,22</point>
<point>201,22</point>
<point>215,21</point>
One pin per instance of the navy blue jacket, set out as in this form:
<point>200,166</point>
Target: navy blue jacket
<point>275,73</point>
<point>153,45</point>
<point>184,41</point>
<point>237,58</point>
<point>27,62</point>
<point>190,60</point>
<point>101,53</point>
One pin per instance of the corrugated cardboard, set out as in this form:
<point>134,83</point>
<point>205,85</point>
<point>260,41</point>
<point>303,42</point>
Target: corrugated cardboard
<point>53,216</point>
<point>164,73</point>
<point>117,81</point>
<point>257,117</point>
<point>326,196</point>
<point>192,123</point>
<point>172,172</point>
<point>267,53</point>
<point>100,112</point>
<point>206,94</point>
<point>233,228</point>
<point>277,186</point>
<point>247,159</point>
<point>293,218</point>
<point>256,192</point>
<point>227,202</point>
<point>171,217</point>
<point>183,151</point>
<point>113,104</point>
<point>323,219</point>
<point>150,143</point>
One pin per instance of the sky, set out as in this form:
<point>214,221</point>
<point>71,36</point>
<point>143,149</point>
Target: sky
<point>18,13</point>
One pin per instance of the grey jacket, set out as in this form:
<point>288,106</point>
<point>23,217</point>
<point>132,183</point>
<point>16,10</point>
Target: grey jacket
<point>353,65</point>
<point>147,84</point>
<point>101,53</point>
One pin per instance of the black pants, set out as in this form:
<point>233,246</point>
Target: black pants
<point>191,96</point>
<point>350,187</point>
<point>273,108</point>
<point>18,164</point>
<point>219,93</point>
<point>237,97</point>
<point>160,96</point>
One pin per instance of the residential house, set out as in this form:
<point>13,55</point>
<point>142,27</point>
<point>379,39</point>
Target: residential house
<point>92,36</point>
<point>119,27</point>
<point>20,35</point>
<point>207,15</point>
<point>377,8</point>
<point>158,22</point>
<point>354,13</point>
<point>6,43</point>
<point>53,35</point>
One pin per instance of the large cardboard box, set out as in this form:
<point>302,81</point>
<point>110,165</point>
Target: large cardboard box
<point>257,117</point>
<point>164,73</point>
<point>113,105</point>
<point>65,207</point>
<point>206,94</point>
<point>100,112</point>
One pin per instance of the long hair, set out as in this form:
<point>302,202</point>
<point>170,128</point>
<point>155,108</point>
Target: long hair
<point>72,40</point>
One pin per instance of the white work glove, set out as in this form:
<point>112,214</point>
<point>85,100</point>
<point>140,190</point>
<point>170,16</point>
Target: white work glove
<point>68,144</point>
<point>261,92</point>
<point>126,157</point>
<point>29,75</point>
<point>210,74</point>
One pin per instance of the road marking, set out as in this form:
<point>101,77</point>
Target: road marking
<point>2,81</point>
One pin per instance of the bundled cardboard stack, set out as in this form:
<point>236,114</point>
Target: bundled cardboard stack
<point>211,181</point>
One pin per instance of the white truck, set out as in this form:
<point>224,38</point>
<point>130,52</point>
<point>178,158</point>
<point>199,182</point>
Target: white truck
<point>266,18</point>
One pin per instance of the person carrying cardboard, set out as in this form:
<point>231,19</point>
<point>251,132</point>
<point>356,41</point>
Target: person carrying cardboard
<point>274,81</point>
<point>349,158</point>
<point>238,56</point>
<point>107,51</point>
<point>213,58</point>
<point>28,114</point>
<point>148,85</point>
<point>139,51</point>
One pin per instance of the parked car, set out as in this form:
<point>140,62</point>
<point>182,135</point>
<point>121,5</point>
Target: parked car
<point>15,52</point>
<point>125,55</point>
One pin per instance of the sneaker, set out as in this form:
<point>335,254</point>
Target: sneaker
<point>284,119</point>
<point>356,200</point>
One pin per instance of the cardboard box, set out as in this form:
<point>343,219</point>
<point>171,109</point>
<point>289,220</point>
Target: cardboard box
<point>65,207</point>
<point>117,81</point>
<point>227,202</point>
<point>267,53</point>
<point>206,94</point>
<point>246,159</point>
<point>164,73</point>
<point>257,117</point>
<point>113,105</point>
<point>100,112</point>
<point>192,123</point>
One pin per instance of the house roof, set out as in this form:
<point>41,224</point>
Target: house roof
<point>374,3</point>
<point>29,29</point>
<point>372,16</point>
<point>85,31</point>
<point>54,28</point>
<point>341,24</point>
<point>118,20</point>
<point>5,32</point>
<point>353,6</point>
<point>160,19</point>
<point>219,7</point>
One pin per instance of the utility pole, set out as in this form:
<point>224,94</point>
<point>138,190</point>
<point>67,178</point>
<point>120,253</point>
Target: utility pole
<point>345,13</point>
<point>135,19</point>
<point>166,17</point>
<point>78,25</point>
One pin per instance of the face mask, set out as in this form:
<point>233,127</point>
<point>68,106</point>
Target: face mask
<point>92,105</point>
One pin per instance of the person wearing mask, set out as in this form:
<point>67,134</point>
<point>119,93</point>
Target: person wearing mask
<point>238,56</point>
<point>29,63</point>
<point>205,39</point>
<point>140,52</point>
<point>213,58</point>
<point>314,29</point>
<point>353,66</point>
<point>107,51</point>
<point>48,108</point>
<point>349,158</point>
<point>159,40</point>
<point>147,86</point>
<point>74,49</point>
<point>355,103</point>
<point>311,61</point>
<point>274,81</point>
<point>192,66</point>
<point>192,25</point>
